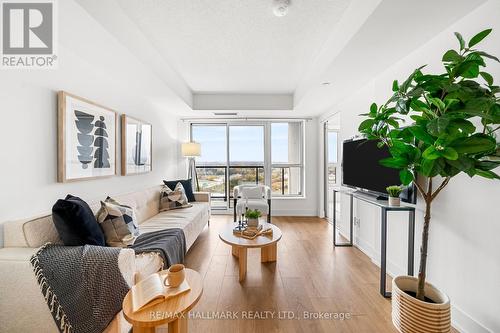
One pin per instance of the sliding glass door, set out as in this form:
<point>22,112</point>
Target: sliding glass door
<point>211,166</point>
<point>246,156</point>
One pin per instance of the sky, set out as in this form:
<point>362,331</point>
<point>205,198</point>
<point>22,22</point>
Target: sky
<point>246,143</point>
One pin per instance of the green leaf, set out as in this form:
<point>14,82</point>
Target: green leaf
<point>418,105</point>
<point>449,153</point>
<point>438,126</point>
<point>479,37</point>
<point>489,56</point>
<point>477,143</point>
<point>406,176</point>
<point>402,106</point>
<point>431,168</point>
<point>395,85</point>
<point>394,162</point>
<point>487,77</point>
<point>431,153</point>
<point>373,109</point>
<point>392,122</point>
<point>487,165</point>
<point>464,125</point>
<point>451,56</point>
<point>366,124</point>
<point>467,69</point>
<point>421,134</point>
<point>460,40</point>
<point>487,174</point>
<point>462,163</point>
<point>438,103</point>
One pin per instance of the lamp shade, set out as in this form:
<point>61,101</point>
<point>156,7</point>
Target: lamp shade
<point>191,149</point>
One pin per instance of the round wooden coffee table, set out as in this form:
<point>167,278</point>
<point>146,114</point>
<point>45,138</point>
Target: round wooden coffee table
<point>172,311</point>
<point>267,244</point>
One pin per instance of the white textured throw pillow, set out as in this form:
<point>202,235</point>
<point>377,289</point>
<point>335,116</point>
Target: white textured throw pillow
<point>251,192</point>
<point>173,199</point>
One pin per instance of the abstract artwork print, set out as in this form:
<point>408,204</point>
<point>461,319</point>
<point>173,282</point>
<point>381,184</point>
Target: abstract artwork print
<point>86,139</point>
<point>136,146</point>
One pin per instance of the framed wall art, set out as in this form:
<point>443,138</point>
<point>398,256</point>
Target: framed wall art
<point>137,146</point>
<point>87,136</point>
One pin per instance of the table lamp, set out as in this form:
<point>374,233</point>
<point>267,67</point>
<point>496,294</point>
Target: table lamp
<point>192,150</point>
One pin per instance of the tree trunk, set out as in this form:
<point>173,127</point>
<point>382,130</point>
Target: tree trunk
<point>428,196</point>
<point>423,251</point>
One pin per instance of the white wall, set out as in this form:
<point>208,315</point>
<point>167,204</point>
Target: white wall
<point>306,206</point>
<point>92,65</point>
<point>464,260</point>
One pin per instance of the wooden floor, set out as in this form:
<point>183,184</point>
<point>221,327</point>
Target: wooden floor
<point>310,276</point>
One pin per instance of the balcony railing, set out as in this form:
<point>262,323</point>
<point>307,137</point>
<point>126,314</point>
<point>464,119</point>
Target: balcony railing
<point>214,179</point>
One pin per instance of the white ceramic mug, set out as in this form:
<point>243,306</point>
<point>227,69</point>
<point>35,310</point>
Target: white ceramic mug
<point>175,276</point>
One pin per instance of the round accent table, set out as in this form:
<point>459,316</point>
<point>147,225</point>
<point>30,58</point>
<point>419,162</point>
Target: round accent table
<point>173,311</point>
<point>268,245</point>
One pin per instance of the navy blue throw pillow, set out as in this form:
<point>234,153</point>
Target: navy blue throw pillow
<point>75,222</point>
<point>186,183</point>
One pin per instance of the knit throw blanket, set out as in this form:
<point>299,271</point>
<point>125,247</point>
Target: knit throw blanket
<point>170,244</point>
<point>82,285</point>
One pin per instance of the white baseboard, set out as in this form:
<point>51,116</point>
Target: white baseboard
<point>465,323</point>
<point>284,212</point>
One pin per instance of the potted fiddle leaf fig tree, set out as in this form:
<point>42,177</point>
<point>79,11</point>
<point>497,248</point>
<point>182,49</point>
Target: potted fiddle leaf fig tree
<point>451,122</point>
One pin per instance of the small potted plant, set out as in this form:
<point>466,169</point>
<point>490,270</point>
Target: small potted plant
<point>394,192</point>
<point>252,216</point>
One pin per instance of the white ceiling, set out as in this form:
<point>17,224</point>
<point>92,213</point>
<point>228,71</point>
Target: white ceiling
<point>236,45</point>
<point>236,55</point>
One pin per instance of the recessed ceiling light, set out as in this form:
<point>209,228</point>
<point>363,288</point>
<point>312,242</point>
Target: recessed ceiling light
<point>280,7</point>
<point>326,83</point>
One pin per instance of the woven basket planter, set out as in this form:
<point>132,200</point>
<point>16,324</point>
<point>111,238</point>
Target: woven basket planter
<point>410,315</point>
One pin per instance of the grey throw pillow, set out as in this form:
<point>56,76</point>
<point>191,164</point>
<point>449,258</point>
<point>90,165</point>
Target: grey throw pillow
<point>118,222</point>
<point>173,199</point>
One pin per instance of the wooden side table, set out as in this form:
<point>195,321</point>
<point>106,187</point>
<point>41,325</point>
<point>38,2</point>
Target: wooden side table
<point>239,246</point>
<point>173,311</point>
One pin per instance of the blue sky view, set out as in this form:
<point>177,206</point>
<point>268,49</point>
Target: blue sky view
<point>246,143</point>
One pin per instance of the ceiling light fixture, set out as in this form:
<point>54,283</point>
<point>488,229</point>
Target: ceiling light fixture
<point>326,83</point>
<point>280,7</point>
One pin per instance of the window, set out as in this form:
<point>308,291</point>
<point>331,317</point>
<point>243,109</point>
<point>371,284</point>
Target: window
<point>286,158</point>
<point>236,153</point>
<point>332,157</point>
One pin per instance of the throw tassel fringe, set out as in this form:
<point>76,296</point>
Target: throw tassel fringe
<point>50,297</point>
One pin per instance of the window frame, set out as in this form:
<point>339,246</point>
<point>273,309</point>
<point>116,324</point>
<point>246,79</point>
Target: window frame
<point>299,165</point>
<point>268,165</point>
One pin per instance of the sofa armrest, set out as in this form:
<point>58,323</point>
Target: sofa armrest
<point>202,196</point>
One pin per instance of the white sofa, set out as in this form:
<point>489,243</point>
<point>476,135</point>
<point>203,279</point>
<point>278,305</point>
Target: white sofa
<point>22,307</point>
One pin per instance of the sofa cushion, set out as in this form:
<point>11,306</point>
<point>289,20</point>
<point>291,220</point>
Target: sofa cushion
<point>191,221</point>
<point>188,187</point>
<point>118,222</point>
<point>173,199</point>
<point>75,222</point>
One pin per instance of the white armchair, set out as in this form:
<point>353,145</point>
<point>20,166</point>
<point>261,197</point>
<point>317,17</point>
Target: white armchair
<point>252,197</point>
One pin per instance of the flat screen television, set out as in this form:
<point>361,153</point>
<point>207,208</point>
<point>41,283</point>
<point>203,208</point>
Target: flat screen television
<point>361,169</point>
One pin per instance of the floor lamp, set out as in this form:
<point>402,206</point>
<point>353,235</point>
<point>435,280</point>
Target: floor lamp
<point>192,150</point>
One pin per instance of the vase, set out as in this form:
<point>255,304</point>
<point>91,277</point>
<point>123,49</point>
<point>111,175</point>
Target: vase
<point>253,223</point>
<point>410,315</point>
<point>394,201</point>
